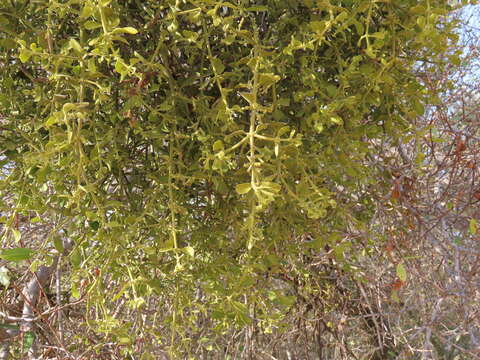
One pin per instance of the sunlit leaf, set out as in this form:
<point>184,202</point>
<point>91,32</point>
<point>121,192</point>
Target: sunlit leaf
<point>125,30</point>
<point>243,188</point>
<point>25,55</point>
<point>75,45</point>
<point>218,145</point>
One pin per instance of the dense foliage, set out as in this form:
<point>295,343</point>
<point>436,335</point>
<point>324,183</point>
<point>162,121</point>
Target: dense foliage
<point>199,153</point>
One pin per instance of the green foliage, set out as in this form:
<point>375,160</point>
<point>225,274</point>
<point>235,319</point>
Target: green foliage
<point>192,146</point>
<point>401,272</point>
<point>28,339</point>
<point>16,255</point>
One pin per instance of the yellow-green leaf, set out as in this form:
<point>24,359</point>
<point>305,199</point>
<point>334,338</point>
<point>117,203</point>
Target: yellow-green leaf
<point>218,65</point>
<point>189,251</point>
<point>25,55</point>
<point>76,258</point>
<point>58,243</point>
<point>125,30</point>
<point>249,97</point>
<point>268,79</point>
<point>243,188</point>
<point>87,11</point>
<point>75,45</point>
<point>16,235</point>
<point>90,25</point>
<point>16,255</point>
<point>218,145</point>
<point>401,272</point>
<point>473,226</point>
<point>257,8</point>
<point>270,186</point>
<point>336,120</point>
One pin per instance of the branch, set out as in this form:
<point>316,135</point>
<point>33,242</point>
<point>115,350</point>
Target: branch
<point>31,294</point>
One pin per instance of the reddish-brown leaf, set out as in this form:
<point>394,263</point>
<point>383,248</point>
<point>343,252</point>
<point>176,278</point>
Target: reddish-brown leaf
<point>397,284</point>
<point>396,190</point>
